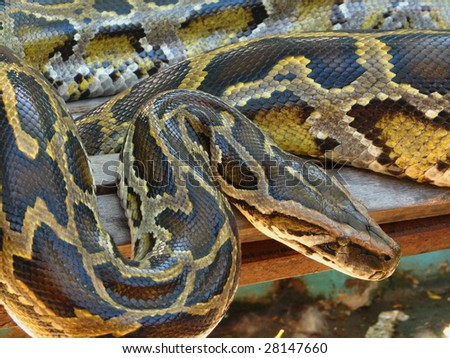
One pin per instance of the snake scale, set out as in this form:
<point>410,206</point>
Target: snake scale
<point>378,100</point>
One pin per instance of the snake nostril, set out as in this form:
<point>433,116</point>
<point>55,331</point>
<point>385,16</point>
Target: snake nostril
<point>387,258</point>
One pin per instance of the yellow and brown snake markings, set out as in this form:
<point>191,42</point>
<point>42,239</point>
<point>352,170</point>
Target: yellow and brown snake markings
<point>207,131</point>
<point>99,48</point>
<point>348,95</point>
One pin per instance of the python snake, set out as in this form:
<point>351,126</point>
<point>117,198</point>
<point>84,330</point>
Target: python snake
<point>376,100</point>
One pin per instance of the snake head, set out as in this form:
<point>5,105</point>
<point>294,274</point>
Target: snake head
<point>317,216</point>
<point>352,240</point>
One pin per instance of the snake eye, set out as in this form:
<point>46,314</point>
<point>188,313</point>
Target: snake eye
<point>343,240</point>
<point>329,248</point>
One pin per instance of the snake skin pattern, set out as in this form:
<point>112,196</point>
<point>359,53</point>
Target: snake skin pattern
<point>182,289</point>
<point>375,99</point>
<point>99,48</point>
<point>378,101</point>
<point>186,254</point>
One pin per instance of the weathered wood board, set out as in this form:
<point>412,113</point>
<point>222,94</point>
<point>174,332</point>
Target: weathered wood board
<point>417,215</point>
<point>387,199</point>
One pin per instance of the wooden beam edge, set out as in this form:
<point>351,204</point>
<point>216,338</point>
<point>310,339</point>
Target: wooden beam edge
<point>115,222</point>
<point>268,260</point>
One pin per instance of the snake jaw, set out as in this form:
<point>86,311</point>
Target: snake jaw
<point>352,259</point>
<point>357,260</point>
<point>366,260</point>
<point>368,254</point>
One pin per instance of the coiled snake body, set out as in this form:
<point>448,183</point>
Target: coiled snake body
<point>188,147</point>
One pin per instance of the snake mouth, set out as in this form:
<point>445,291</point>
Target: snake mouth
<point>360,261</point>
<point>368,255</point>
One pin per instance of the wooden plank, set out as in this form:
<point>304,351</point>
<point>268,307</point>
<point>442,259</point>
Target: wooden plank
<point>266,260</point>
<point>269,260</point>
<point>390,199</point>
<point>387,199</point>
<point>113,218</point>
<point>78,108</point>
<point>414,214</point>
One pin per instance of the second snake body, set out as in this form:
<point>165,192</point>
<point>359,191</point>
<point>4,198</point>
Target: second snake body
<point>373,100</point>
